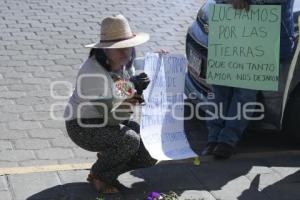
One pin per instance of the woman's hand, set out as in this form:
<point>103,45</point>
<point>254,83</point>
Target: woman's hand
<point>240,4</point>
<point>134,100</point>
<point>128,104</point>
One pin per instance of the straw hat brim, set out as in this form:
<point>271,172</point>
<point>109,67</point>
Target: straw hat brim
<point>138,39</point>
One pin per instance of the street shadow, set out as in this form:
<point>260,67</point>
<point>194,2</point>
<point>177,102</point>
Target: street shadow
<point>69,191</point>
<point>80,191</point>
<point>285,189</point>
<point>228,176</point>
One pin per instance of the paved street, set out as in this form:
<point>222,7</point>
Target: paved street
<point>265,178</point>
<point>42,43</point>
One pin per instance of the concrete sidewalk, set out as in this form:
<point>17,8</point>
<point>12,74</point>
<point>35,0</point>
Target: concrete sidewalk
<point>263,178</point>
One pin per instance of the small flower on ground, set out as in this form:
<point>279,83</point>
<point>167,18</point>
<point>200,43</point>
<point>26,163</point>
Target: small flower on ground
<point>100,198</point>
<point>154,196</point>
<point>196,161</point>
<point>161,196</point>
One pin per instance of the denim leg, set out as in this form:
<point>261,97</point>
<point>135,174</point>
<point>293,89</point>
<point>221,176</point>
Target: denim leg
<point>222,95</point>
<point>234,128</point>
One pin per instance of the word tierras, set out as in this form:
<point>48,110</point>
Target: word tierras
<point>247,52</point>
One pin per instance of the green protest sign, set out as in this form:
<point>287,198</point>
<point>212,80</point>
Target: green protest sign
<point>243,47</point>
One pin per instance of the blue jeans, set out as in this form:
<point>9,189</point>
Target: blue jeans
<point>227,100</point>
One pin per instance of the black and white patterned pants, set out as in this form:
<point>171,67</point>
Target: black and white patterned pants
<point>120,147</point>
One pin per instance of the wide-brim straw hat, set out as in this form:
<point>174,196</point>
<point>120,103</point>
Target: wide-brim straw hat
<point>116,33</point>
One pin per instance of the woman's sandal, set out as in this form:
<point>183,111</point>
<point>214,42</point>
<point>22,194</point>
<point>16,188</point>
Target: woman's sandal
<point>101,186</point>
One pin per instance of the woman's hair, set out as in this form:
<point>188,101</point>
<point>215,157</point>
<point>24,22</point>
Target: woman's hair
<point>102,59</point>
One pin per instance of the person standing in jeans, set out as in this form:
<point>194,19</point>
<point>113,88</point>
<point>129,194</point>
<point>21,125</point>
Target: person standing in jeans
<point>223,135</point>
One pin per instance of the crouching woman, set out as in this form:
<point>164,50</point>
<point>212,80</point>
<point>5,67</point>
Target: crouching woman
<point>94,120</point>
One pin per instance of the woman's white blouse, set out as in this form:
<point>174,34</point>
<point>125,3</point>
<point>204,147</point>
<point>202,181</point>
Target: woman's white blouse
<point>93,84</point>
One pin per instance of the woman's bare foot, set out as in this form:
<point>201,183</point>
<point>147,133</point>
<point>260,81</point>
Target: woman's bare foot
<point>100,186</point>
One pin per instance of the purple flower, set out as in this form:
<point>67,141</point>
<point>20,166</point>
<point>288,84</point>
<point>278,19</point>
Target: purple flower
<point>153,195</point>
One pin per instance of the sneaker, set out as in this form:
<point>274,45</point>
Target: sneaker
<point>209,148</point>
<point>223,151</point>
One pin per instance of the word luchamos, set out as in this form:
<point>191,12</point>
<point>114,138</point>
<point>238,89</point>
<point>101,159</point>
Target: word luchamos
<point>260,14</point>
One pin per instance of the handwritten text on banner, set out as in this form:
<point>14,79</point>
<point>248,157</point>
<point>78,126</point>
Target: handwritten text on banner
<point>162,129</point>
<point>243,47</point>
